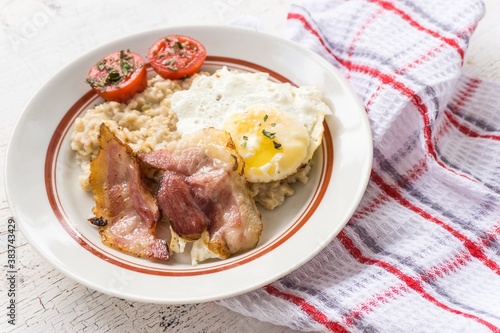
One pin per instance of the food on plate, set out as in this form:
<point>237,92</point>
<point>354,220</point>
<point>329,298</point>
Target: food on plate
<point>204,195</point>
<point>176,56</point>
<point>276,127</point>
<point>210,147</point>
<point>145,123</point>
<point>125,210</point>
<point>118,76</point>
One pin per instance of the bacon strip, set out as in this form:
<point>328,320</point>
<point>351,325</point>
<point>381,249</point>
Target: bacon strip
<point>203,190</point>
<point>125,211</point>
<point>177,202</point>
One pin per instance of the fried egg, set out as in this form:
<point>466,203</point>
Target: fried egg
<point>273,144</point>
<point>276,127</point>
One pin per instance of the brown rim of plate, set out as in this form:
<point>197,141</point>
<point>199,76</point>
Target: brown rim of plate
<point>52,193</point>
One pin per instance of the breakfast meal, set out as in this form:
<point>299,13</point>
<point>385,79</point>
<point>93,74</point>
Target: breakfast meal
<point>195,151</point>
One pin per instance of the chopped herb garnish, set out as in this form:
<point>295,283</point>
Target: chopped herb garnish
<point>273,124</point>
<point>94,84</point>
<point>125,67</point>
<point>245,141</point>
<point>177,47</point>
<point>126,64</point>
<point>265,117</point>
<point>100,64</point>
<point>277,145</point>
<point>170,64</point>
<point>111,74</point>
<point>268,134</point>
<point>114,76</point>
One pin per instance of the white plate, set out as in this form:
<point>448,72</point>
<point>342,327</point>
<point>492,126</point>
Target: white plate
<point>51,209</point>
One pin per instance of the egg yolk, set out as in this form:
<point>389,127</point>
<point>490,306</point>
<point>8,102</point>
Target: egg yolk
<point>273,144</point>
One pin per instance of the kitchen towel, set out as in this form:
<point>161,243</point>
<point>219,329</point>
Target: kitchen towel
<point>422,251</point>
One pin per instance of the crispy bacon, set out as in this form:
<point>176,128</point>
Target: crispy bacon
<point>204,194</point>
<point>125,211</point>
<point>180,206</point>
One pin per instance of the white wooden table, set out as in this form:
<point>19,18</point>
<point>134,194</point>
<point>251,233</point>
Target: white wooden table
<point>37,38</point>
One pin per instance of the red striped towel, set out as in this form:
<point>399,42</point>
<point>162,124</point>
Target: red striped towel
<point>422,252</point>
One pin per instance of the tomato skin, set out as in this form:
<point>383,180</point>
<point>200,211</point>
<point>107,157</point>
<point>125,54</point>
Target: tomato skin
<point>119,76</point>
<point>176,56</point>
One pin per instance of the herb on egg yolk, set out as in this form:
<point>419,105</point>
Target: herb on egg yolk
<point>268,134</point>
<point>245,138</point>
<point>271,136</point>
